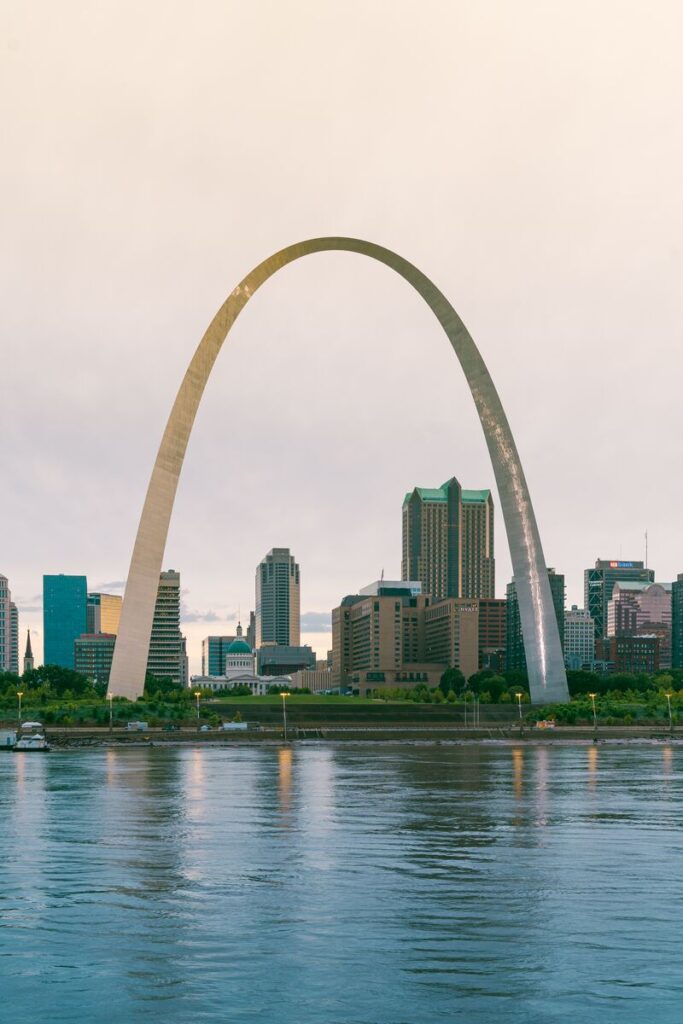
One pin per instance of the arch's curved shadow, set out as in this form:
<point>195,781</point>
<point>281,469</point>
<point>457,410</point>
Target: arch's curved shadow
<point>547,677</point>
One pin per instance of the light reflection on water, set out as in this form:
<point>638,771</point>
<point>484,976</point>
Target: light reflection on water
<point>354,884</point>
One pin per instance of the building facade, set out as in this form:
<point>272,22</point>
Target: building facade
<point>214,650</point>
<point>515,655</point>
<point>5,625</point>
<point>391,634</point>
<point>281,660</point>
<point>598,584</point>
<point>579,639</point>
<point>448,541</point>
<point>631,654</point>
<point>93,653</point>
<point>492,633</point>
<point>14,639</point>
<point>638,609</point>
<point>278,599</point>
<point>167,658</point>
<point>103,613</point>
<point>677,622</point>
<point>452,634</point>
<point>64,617</point>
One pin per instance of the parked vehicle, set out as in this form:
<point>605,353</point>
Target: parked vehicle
<point>137,726</point>
<point>234,726</point>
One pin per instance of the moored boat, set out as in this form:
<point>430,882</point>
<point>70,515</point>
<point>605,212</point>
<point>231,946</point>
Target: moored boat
<point>32,738</point>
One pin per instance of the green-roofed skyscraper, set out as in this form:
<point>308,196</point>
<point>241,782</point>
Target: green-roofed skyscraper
<point>448,541</point>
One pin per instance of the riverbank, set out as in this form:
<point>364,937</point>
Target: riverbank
<point>83,737</point>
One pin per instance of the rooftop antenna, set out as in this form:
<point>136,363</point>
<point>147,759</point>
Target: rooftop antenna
<point>381,579</point>
<point>646,548</point>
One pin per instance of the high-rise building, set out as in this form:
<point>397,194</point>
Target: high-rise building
<point>214,650</point>
<point>64,617</point>
<point>390,634</point>
<point>640,609</point>
<point>448,541</point>
<point>103,613</point>
<point>14,639</point>
<point>515,656</point>
<point>598,584</point>
<point>278,599</point>
<point>251,631</point>
<point>5,625</point>
<point>492,633</point>
<point>579,639</point>
<point>93,653</point>
<point>167,657</point>
<point>28,653</point>
<point>677,622</point>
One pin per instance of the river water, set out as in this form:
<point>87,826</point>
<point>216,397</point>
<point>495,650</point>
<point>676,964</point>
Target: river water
<point>348,884</point>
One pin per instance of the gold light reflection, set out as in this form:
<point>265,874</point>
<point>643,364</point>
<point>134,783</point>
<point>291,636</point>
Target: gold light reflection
<point>284,758</point>
<point>20,773</point>
<point>517,771</point>
<point>541,785</point>
<point>111,765</point>
<point>592,767</point>
<point>668,758</point>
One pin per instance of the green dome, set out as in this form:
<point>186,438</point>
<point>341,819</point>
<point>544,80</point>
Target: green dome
<point>239,646</point>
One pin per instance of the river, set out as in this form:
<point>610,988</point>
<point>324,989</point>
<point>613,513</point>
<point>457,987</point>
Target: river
<point>343,884</point>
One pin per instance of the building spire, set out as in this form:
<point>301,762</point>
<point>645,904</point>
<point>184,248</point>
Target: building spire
<point>28,653</point>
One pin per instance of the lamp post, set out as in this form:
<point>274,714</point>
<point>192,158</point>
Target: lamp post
<point>20,694</point>
<point>518,695</point>
<point>671,721</point>
<point>110,698</point>
<point>595,716</point>
<point>197,694</point>
<point>284,694</point>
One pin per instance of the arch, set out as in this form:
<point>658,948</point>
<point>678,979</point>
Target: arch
<point>547,677</point>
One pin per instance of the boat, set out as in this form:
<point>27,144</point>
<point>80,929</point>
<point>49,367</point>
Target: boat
<point>31,738</point>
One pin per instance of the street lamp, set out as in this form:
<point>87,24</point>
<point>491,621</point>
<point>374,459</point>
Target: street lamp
<point>671,721</point>
<point>20,694</point>
<point>595,716</point>
<point>519,704</point>
<point>110,698</point>
<point>284,694</point>
<point>197,694</point>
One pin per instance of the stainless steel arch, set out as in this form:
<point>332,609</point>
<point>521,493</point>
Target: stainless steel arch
<point>547,677</point>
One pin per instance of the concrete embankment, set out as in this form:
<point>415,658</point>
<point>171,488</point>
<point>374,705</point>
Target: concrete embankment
<point>87,737</point>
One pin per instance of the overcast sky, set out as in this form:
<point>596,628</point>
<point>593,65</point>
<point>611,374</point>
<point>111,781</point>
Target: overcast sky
<point>527,156</point>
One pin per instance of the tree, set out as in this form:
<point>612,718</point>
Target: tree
<point>452,679</point>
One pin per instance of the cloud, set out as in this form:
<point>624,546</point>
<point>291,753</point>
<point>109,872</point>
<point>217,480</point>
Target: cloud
<point>316,622</point>
<point>189,616</point>
<point>28,608</point>
<point>192,615</point>
<point>114,585</point>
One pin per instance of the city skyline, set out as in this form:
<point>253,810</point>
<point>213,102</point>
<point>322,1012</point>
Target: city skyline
<point>559,276</point>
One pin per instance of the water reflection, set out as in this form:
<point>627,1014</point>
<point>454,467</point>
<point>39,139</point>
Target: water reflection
<point>518,772</point>
<point>542,756</point>
<point>592,767</point>
<point>284,765</point>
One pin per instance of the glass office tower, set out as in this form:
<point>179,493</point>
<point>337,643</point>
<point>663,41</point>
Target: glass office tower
<point>64,617</point>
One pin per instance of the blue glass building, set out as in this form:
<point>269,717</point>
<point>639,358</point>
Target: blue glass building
<point>64,617</point>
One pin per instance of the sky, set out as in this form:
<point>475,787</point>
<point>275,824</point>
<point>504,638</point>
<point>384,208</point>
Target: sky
<point>528,157</point>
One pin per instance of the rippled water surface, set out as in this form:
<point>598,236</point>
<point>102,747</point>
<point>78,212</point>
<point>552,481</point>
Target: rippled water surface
<point>350,884</point>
